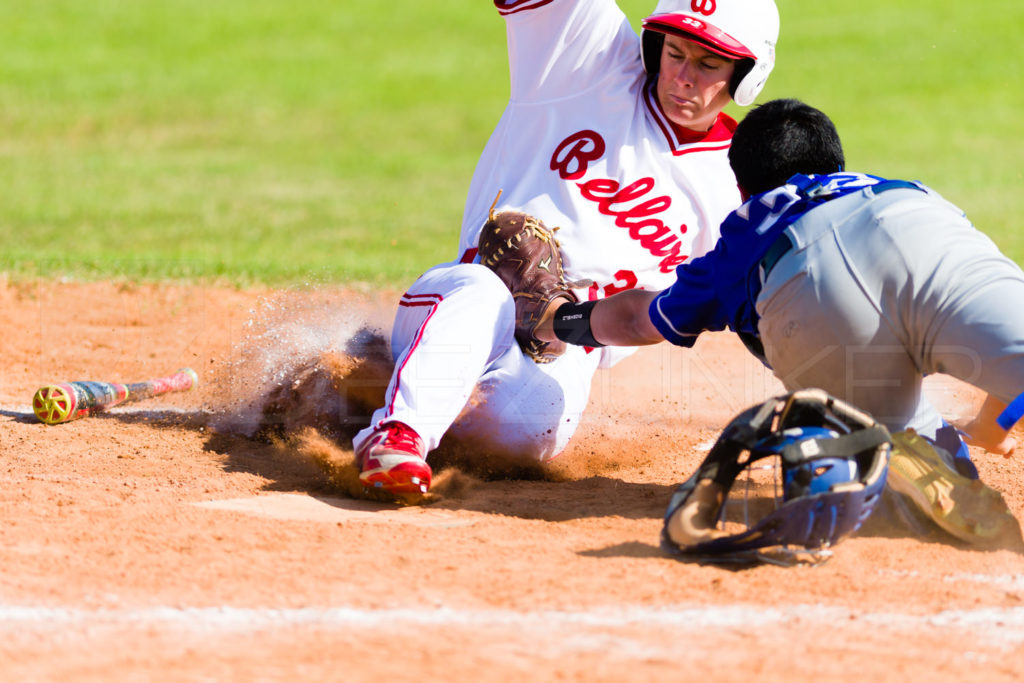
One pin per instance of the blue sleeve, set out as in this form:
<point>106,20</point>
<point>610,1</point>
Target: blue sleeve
<point>715,291</point>
<point>719,290</point>
<point>691,305</point>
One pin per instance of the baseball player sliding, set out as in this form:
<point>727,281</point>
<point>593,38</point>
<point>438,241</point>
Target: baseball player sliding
<point>854,284</point>
<point>620,141</point>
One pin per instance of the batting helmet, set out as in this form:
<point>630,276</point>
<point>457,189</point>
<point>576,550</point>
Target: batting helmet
<point>744,30</point>
<point>833,460</point>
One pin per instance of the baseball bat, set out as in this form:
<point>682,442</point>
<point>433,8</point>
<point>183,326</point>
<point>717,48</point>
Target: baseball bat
<point>57,403</point>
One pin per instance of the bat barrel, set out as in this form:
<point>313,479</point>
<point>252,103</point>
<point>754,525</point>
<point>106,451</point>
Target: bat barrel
<point>57,403</point>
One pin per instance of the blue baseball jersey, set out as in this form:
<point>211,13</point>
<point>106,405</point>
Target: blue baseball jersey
<point>719,290</point>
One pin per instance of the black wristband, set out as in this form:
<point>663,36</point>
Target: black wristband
<point>571,324</point>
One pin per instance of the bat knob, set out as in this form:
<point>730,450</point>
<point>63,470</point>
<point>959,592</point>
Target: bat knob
<point>54,404</point>
<point>191,375</point>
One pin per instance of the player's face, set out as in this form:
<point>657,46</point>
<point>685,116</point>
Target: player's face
<point>693,83</point>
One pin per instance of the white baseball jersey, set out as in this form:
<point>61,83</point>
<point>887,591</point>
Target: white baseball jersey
<point>584,146</point>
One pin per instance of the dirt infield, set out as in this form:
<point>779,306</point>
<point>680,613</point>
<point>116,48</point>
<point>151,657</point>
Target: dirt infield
<point>183,539</point>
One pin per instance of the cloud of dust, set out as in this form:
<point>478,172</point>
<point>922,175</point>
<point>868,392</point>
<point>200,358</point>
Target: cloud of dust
<point>306,360</point>
<point>310,372</point>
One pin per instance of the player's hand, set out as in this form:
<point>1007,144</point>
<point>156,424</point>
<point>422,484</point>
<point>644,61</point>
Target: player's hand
<point>983,431</point>
<point>545,328</point>
<point>989,436</point>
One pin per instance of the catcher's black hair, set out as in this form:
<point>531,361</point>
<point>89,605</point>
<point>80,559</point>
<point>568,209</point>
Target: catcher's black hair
<point>779,139</point>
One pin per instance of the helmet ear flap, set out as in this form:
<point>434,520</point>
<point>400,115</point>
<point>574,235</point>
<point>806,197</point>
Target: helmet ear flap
<point>742,70</point>
<point>650,50</point>
<point>748,79</point>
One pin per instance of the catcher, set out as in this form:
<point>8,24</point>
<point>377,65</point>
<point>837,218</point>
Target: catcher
<point>854,284</point>
<point>601,130</point>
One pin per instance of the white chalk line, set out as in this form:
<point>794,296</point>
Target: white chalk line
<point>996,625</point>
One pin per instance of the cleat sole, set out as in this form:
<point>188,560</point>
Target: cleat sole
<point>965,508</point>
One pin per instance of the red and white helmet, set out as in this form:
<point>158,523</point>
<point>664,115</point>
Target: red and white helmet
<point>745,30</point>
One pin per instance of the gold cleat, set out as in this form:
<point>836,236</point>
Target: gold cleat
<point>965,508</point>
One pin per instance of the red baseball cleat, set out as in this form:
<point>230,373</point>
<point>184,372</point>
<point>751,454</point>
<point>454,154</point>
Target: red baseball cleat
<point>393,459</point>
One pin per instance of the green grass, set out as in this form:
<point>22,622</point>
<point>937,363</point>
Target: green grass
<point>324,141</point>
<point>921,89</point>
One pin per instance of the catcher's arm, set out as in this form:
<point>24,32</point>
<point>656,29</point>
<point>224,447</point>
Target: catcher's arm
<point>619,320</point>
<point>984,431</point>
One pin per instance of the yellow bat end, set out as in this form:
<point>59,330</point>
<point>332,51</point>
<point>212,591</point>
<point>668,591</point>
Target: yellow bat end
<point>53,404</point>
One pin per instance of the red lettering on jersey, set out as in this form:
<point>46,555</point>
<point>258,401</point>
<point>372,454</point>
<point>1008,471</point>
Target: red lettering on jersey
<point>638,217</point>
<point>574,154</point>
<point>705,7</point>
<point>626,277</point>
<point>634,207</point>
<point>669,263</point>
<point>628,280</point>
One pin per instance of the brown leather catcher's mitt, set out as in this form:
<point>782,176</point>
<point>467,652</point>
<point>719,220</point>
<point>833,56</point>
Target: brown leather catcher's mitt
<point>524,254</point>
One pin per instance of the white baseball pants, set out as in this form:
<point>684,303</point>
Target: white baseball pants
<point>459,368</point>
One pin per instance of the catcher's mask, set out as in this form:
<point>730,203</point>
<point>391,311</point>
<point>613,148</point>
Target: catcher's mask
<point>744,30</point>
<point>828,465</point>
